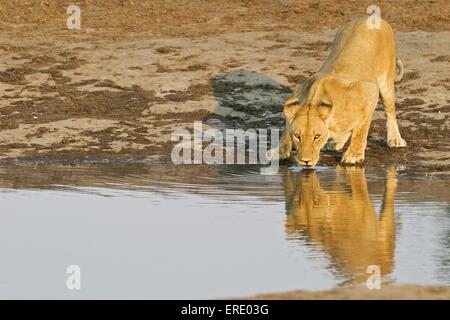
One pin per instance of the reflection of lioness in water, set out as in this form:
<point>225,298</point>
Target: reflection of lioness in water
<point>338,101</point>
<point>342,220</point>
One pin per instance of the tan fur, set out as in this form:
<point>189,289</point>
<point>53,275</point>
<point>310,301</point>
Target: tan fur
<point>338,101</point>
<point>342,221</point>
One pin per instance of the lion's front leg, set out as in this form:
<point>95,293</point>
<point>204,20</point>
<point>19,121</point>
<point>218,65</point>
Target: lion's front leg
<point>283,151</point>
<point>285,146</point>
<point>341,140</point>
<point>358,143</point>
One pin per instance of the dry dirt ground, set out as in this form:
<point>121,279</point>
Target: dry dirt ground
<point>391,292</point>
<point>137,70</point>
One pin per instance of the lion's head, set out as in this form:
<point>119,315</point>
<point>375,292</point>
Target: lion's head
<point>308,129</point>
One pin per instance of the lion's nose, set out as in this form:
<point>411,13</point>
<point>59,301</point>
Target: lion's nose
<point>306,160</point>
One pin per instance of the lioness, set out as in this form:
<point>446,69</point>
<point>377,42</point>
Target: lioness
<point>338,101</point>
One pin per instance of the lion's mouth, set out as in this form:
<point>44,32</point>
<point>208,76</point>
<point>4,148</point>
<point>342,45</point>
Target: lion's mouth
<point>307,164</point>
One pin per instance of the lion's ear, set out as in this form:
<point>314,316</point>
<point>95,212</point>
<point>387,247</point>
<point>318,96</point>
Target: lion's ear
<point>325,107</point>
<point>291,106</point>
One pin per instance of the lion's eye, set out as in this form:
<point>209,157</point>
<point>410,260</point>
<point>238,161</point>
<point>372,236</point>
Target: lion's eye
<point>297,136</point>
<point>317,137</point>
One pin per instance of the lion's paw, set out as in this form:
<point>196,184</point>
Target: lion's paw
<point>351,158</point>
<point>284,155</point>
<point>396,142</point>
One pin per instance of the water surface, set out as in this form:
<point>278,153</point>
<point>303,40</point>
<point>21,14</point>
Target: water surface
<point>164,231</point>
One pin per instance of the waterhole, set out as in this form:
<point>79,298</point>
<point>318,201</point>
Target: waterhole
<point>164,231</point>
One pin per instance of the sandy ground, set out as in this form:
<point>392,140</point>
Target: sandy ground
<point>391,292</point>
<point>137,70</point>
<point>104,93</point>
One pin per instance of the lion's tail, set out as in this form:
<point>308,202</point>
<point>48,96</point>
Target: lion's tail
<point>399,70</point>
